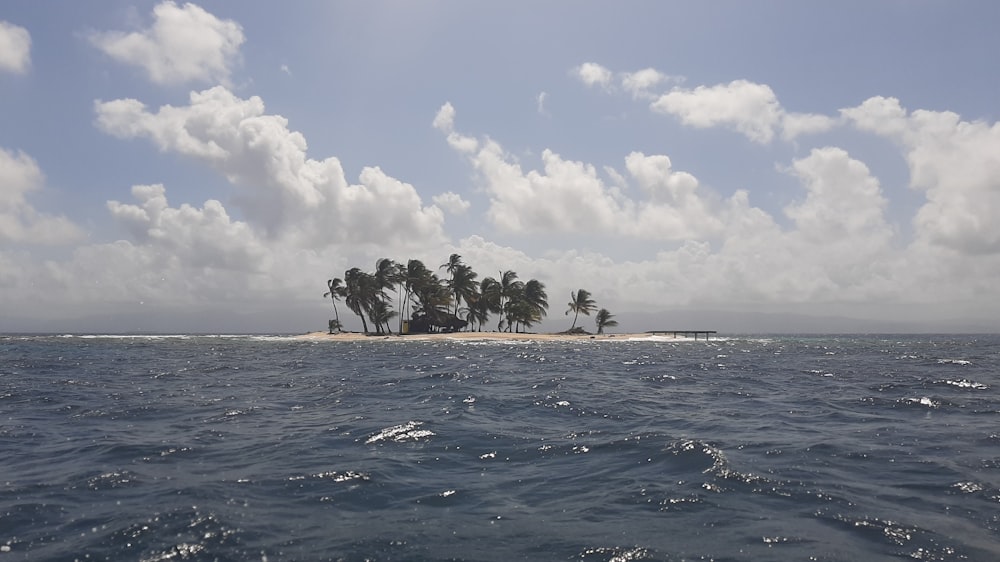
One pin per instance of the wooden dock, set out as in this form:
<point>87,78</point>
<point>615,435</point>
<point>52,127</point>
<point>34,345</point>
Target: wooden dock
<point>685,333</point>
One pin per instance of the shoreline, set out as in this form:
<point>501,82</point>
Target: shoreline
<point>488,336</point>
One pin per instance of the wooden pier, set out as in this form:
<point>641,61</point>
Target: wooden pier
<point>694,333</point>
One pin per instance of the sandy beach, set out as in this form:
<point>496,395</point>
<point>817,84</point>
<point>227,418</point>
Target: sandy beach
<point>489,336</point>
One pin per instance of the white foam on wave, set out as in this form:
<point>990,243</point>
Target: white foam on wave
<point>399,433</point>
<point>922,401</point>
<point>963,383</point>
<point>953,362</point>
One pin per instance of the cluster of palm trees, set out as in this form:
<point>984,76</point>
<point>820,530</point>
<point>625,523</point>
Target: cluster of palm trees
<point>460,295</point>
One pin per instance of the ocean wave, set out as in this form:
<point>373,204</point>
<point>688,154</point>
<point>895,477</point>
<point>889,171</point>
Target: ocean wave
<point>398,433</point>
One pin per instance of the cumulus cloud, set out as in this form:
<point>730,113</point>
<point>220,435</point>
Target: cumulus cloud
<point>639,83</point>
<point>837,247</point>
<point>567,196</point>
<point>452,202</point>
<point>15,48</point>
<point>747,107</point>
<point>752,109</point>
<point>843,202</point>
<point>205,237</point>
<point>953,162</point>
<point>296,221</point>
<point>184,44</point>
<point>19,221</point>
<point>794,125</point>
<point>281,189</point>
<point>593,74</point>
<point>444,121</point>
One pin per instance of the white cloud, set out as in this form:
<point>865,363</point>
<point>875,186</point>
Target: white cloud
<point>541,103</point>
<point>19,221</point>
<point>843,202</point>
<point>568,196</point>
<point>953,162</point>
<point>752,109</point>
<point>452,202</point>
<point>839,247</point>
<point>282,190</point>
<point>299,222</point>
<point>593,74</point>
<point>883,116</point>
<point>794,125</point>
<point>639,83</point>
<point>675,208</point>
<point>444,121</point>
<point>184,44</point>
<point>15,48</point>
<point>749,108</point>
<point>205,237</point>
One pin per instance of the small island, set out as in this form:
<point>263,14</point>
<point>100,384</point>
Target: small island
<point>459,303</point>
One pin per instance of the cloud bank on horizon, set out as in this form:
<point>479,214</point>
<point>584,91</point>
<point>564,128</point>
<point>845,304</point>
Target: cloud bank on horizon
<point>653,192</point>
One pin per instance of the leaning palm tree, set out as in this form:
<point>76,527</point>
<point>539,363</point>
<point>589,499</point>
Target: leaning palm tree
<point>580,302</point>
<point>536,298</point>
<point>463,285</point>
<point>336,291</point>
<point>359,293</point>
<point>381,313</point>
<point>385,277</point>
<point>604,320</point>
<point>483,303</point>
<point>431,298</point>
<point>415,274</point>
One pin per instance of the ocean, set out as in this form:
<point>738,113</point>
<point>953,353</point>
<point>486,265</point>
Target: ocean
<point>155,448</point>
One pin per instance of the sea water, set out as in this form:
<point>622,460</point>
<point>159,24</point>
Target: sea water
<point>270,448</point>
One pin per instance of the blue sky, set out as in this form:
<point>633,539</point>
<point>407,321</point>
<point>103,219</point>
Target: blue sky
<point>760,165</point>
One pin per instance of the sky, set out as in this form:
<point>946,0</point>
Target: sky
<point>773,166</point>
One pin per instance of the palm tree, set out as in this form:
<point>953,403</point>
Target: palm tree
<point>336,291</point>
<point>580,302</point>
<point>381,313</point>
<point>463,282</point>
<point>463,285</point>
<point>470,313</point>
<point>526,304</point>
<point>536,298</point>
<point>510,287</point>
<point>359,293</point>
<point>410,277</point>
<point>486,301</point>
<point>400,277</point>
<point>385,277</point>
<point>433,298</point>
<point>453,263</point>
<point>604,320</point>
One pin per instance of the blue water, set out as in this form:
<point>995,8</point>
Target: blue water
<point>269,448</point>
